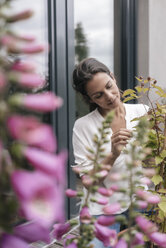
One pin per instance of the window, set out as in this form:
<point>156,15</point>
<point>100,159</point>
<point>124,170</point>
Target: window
<point>94,35</point>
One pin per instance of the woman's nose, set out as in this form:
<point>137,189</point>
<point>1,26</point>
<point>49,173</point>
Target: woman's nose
<point>109,95</point>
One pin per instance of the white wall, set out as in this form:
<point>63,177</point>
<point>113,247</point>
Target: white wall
<point>151,47</point>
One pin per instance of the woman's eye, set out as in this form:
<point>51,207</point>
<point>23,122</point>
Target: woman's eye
<point>108,86</point>
<point>98,96</point>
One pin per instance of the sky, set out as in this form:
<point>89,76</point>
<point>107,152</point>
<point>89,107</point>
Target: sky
<point>96,17</point>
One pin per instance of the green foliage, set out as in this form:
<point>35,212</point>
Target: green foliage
<point>156,140</point>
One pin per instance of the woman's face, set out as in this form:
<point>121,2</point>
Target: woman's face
<point>103,91</point>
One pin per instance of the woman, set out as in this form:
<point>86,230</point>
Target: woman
<point>94,81</point>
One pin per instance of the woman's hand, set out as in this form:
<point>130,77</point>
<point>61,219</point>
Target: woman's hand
<point>119,139</point>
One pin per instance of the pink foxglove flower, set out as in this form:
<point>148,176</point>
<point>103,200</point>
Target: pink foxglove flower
<point>106,235</point>
<point>145,225</point>
<point>101,174</point>
<point>8,240</point>
<point>24,66</point>
<point>105,191</point>
<point>51,164</point>
<point>30,131</point>
<point>85,216</point>
<point>145,180</point>
<point>106,220</point>
<point>60,229</point>
<point>32,232</point>
<point>71,193</point>
<point>20,16</point>
<point>112,208</point>
<point>43,102</point>
<point>121,244</point>
<point>101,201</point>
<point>87,180</point>
<point>149,172</point>
<point>158,238</point>
<point>138,240</point>
<point>27,80</point>
<point>38,196</point>
<point>72,245</point>
<point>141,204</point>
<point>27,49</point>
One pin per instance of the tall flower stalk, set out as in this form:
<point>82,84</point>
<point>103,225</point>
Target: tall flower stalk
<point>32,173</point>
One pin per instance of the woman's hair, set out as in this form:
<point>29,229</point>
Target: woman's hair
<point>84,72</point>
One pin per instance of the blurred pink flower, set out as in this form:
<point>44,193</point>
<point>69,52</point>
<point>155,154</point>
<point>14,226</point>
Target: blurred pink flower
<point>112,208</point>
<point>43,102</point>
<point>149,172</point>
<point>24,66</point>
<point>101,174</point>
<point>106,235</point>
<point>8,241</point>
<point>145,180</point>
<point>87,180</point>
<point>25,14</point>
<point>145,225</point>
<point>27,80</point>
<point>71,193</point>
<point>32,232</point>
<point>147,196</point>
<point>72,245</point>
<point>85,216</point>
<point>158,238</point>
<point>121,244</point>
<point>60,229</point>
<point>51,164</point>
<point>115,176</point>
<point>106,220</point>
<point>105,191</point>
<point>13,47</point>
<point>138,240</point>
<point>141,204</point>
<point>29,130</point>
<point>38,196</point>
<point>101,201</point>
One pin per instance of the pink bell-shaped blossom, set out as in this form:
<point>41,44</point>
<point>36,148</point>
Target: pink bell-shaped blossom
<point>158,238</point>
<point>101,200</point>
<point>42,102</point>
<point>23,66</point>
<point>85,216</point>
<point>87,180</point>
<point>106,235</point>
<point>32,232</point>
<point>141,204</point>
<point>51,164</point>
<point>23,15</point>
<point>145,225</point>
<point>30,131</point>
<point>105,191</point>
<point>38,196</point>
<point>8,241</point>
<point>60,229</point>
<point>112,208</point>
<point>71,193</point>
<point>138,240</point>
<point>106,220</point>
<point>26,80</point>
<point>121,244</point>
<point>72,245</point>
<point>26,49</point>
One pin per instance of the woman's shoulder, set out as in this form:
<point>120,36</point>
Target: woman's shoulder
<point>86,120</point>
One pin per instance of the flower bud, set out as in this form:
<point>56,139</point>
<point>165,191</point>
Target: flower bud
<point>106,220</point>
<point>101,201</point>
<point>85,216</point>
<point>19,16</point>
<point>105,191</point>
<point>112,208</point>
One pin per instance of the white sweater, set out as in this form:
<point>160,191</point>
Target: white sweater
<point>83,133</point>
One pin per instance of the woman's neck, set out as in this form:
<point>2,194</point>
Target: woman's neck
<point>119,111</point>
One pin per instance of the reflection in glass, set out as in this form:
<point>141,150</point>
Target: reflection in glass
<point>93,36</point>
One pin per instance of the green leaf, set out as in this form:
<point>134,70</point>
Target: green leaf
<point>163,154</point>
<point>156,179</point>
<point>128,99</point>
<point>162,191</point>
<point>162,206</point>
<point>139,79</point>
<point>145,90</point>
<point>128,92</point>
<point>139,89</point>
<point>158,87</point>
<point>158,159</point>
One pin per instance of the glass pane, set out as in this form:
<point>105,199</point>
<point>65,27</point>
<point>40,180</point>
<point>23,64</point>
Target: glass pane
<point>37,26</point>
<point>94,35</point>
